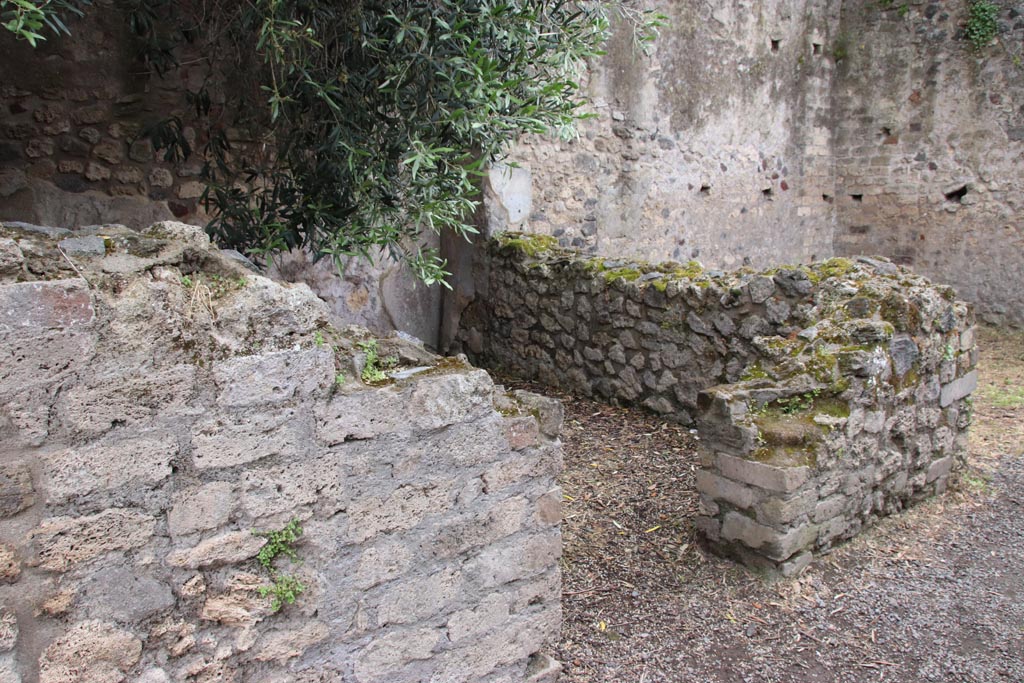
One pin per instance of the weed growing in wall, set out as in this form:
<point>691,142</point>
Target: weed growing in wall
<point>284,588</point>
<point>375,369</point>
<point>982,24</point>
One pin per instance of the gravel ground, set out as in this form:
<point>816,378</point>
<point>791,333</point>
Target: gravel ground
<point>934,594</point>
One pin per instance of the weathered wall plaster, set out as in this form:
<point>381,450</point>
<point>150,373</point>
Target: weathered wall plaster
<point>716,147</point>
<point>160,402</point>
<point>929,144</point>
<point>780,132</point>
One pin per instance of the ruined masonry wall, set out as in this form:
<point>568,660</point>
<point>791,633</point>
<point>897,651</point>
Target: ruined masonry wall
<point>826,396</point>
<point>159,402</point>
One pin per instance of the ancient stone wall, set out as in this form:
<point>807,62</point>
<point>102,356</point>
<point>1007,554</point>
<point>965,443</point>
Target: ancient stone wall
<point>716,146</point>
<point>929,143</point>
<point>781,132</point>
<point>160,403</point>
<point>73,113</point>
<point>825,395</point>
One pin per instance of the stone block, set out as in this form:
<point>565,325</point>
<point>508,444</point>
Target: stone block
<point>127,399</point>
<point>769,477</point>
<point>91,245</point>
<point>521,432</point>
<point>387,656</point>
<point>90,651</point>
<point>11,258</point>
<point>514,559</point>
<point>271,490</point>
<point>228,548</point>
<point>549,412</point>
<point>404,509</point>
<point>272,378</point>
<point>959,388</point>
<point>124,595</point>
<point>204,507</point>
<point>419,598</point>
<point>16,490</point>
<point>280,646</point>
<point>543,669</point>
<point>829,508</point>
<point>549,507</point>
<point>9,670</point>
<point>241,605</point>
<point>778,510</point>
<point>62,542</point>
<point>481,528</point>
<point>243,438</point>
<point>939,468</point>
<point>722,489</point>
<point>386,560</point>
<point>108,465</point>
<point>191,189</point>
<point>490,613</point>
<point>774,544</point>
<point>709,527</point>
<point>760,289</point>
<point>423,404</point>
<point>796,565</point>
<point>8,630</point>
<point>29,308</point>
<point>832,529</point>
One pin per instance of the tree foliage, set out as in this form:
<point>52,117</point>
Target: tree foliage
<point>374,118</point>
<point>27,18</point>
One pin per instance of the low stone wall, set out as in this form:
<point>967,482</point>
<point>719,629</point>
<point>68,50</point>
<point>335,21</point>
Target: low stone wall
<point>826,395</point>
<point>170,420</point>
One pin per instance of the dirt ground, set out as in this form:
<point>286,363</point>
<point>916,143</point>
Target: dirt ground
<point>934,594</point>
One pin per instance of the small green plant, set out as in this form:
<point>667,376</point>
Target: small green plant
<point>284,588</point>
<point>318,338</point>
<point>340,379</point>
<point>283,591</point>
<point>798,403</point>
<point>982,24</point>
<point>375,368</point>
<point>186,282</point>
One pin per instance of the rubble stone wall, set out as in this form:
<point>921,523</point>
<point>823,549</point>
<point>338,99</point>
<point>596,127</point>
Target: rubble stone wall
<point>825,395</point>
<point>162,406</point>
<point>929,138</point>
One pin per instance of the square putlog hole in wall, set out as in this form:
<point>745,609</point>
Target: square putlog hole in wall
<point>857,197</point>
<point>776,44</point>
<point>816,49</point>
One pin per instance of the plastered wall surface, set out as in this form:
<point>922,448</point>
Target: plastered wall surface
<point>162,406</point>
<point>929,144</point>
<point>780,132</point>
<point>716,147</point>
